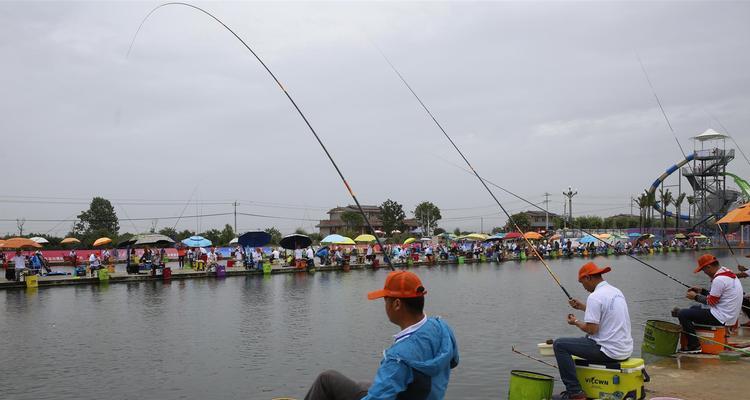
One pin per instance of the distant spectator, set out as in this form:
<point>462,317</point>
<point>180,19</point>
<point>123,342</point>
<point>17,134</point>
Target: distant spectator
<point>19,265</point>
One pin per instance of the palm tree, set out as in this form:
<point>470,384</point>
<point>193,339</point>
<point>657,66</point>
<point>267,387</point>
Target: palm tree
<point>642,205</point>
<point>665,197</point>
<point>650,203</point>
<point>678,207</point>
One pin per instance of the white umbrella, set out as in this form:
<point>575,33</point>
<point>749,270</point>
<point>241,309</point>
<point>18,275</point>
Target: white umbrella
<point>40,240</point>
<point>234,241</point>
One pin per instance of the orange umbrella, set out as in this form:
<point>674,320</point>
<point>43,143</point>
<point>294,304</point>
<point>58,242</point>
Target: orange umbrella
<point>69,240</point>
<point>532,235</point>
<point>18,243</point>
<point>740,214</point>
<point>102,241</point>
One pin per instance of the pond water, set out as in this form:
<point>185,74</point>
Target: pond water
<point>265,337</point>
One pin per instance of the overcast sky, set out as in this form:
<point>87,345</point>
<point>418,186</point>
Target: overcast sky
<point>539,96</point>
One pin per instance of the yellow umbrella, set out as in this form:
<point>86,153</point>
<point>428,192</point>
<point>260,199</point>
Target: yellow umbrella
<point>603,236</point>
<point>102,241</point>
<point>364,238</point>
<point>410,240</point>
<point>69,240</point>
<point>473,236</point>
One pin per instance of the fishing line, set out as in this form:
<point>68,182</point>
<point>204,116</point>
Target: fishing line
<point>674,134</point>
<point>185,208</point>
<point>291,100</point>
<point>510,218</point>
<point>724,128</point>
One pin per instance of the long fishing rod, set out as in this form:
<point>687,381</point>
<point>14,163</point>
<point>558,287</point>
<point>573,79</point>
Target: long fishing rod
<point>291,100</point>
<point>674,134</point>
<point>507,214</point>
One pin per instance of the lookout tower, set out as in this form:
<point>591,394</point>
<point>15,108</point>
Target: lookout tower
<point>706,175</point>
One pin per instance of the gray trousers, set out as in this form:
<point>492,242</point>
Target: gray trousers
<point>332,385</point>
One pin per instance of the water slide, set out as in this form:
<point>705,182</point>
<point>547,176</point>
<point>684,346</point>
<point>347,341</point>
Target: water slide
<point>661,179</point>
<point>743,185</point>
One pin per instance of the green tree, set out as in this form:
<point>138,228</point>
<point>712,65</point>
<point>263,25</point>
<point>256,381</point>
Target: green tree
<point>183,235</point>
<point>457,232</point>
<point>214,235</point>
<point>678,208</point>
<point>227,234</point>
<point>438,231</point>
<point>427,214</point>
<point>665,198</point>
<point>392,216</point>
<point>301,231</point>
<point>521,219</point>
<point>316,237</point>
<point>99,220</point>
<point>169,232</point>
<point>275,235</point>
<point>353,220</point>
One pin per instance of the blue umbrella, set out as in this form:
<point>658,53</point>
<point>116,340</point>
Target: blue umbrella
<point>634,234</point>
<point>254,239</point>
<point>197,241</point>
<point>334,239</point>
<point>588,239</point>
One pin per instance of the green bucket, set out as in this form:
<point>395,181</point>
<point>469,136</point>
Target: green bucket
<point>267,268</point>
<point>102,274</point>
<point>660,337</point>
<point>409,261</point>
<point>461,259</point>
<point>483,258</point>
<point>525,385</point>
<point>523,255</point>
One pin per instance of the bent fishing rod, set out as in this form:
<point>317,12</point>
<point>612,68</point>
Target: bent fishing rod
<point>291,100</point>
<point>674,134</point>
<point>484,183</point>
<point>474,171</point>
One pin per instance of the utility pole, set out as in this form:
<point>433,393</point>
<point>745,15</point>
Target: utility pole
<point>235,217</point>
<point>569,194</point>
<point>481,224</point>
<point>546,211</point>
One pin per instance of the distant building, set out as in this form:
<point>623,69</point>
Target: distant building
<point>334,224</point>
<point>537,220</point>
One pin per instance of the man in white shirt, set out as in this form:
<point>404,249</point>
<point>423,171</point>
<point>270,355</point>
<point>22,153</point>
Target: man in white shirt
<point>19,264</point>
<point>606,324</point>
<point>724,301</point>
<point>310,257</point>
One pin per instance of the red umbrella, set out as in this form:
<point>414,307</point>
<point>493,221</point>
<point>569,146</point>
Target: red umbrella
<point>512,235</point>
<point>694,234</point>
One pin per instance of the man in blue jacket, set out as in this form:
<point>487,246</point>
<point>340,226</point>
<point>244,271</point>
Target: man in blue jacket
<point>417,366</point>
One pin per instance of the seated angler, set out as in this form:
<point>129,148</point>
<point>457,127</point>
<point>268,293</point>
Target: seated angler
<point>607,326</point>
<point>724,301</point>
<point>417,366</point>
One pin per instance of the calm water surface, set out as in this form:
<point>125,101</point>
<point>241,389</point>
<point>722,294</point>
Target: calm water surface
<point>258,338</point>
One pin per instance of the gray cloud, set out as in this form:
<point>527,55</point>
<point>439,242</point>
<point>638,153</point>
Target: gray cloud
<point>539,95</point>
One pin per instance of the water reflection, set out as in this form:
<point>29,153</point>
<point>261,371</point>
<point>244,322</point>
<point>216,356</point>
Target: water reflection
<point>262,337</point>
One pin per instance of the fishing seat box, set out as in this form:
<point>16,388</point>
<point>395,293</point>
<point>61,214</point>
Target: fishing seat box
<point>612,381</point>
<point>718,335</point>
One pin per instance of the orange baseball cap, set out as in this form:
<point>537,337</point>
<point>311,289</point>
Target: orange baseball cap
<point>704,261</point>
<point>591,269</point>
<point>400,284</point>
